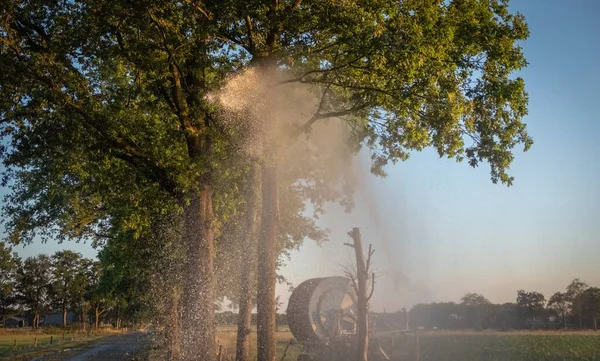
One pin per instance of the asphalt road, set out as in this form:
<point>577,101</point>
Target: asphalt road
<point>113,348</point>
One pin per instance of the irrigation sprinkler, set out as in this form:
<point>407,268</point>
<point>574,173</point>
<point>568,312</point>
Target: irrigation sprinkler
<point>322,317</point>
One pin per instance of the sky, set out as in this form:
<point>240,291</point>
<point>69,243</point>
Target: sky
<point>441,229</point>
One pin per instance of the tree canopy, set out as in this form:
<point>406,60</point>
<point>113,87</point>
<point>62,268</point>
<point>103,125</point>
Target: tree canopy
<point>96,92</point>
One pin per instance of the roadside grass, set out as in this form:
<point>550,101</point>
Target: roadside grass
<point>20,344</point>
<point>226,338</point>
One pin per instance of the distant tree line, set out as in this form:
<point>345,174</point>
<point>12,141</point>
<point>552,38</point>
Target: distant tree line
<point>578,307</point>
<point>229,318</point>
<point>64,282</point>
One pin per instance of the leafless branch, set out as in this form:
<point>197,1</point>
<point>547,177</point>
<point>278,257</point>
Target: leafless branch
<point>372,286</point>
<point>369,257</point>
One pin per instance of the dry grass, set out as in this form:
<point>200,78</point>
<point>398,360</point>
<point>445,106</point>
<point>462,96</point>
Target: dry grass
<point>21,343</point>
<point>226,337</point>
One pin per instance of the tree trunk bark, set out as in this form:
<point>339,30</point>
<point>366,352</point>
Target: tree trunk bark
<point>267,264</point>
<point>174,328</point>
<point>97,316</point>
<point>64,318</point>
<point>362,301</point>
<point>83,318</point>
<point>248,269</point>
<point>198,338</point>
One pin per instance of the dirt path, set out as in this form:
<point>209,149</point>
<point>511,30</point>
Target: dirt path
<point>112,348</point>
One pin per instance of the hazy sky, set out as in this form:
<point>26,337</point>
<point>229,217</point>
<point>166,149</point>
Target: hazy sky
<point>449,230</point>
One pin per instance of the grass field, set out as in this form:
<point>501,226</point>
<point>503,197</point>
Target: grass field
<point>19,343</point>
<point>462,346</point>
<point>495,346</point>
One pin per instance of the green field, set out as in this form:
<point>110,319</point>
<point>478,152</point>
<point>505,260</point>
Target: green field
<point>495,346</point>
<point>463,346</point>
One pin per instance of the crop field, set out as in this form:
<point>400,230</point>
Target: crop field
<point>494,346</point>
<point>461,346</point>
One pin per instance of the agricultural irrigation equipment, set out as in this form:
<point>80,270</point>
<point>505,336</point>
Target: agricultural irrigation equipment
<point>322,316</point>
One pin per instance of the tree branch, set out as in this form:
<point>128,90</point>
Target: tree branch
<point>370,253</point>
<point>372,287</point>
<point>250,34</point>
<point>339,113</point>
<point>197,7</point>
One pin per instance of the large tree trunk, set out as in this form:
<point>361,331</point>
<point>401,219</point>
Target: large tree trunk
<point>248,269</point>
<point>198,339</point>
<point>173,332</point>
<point>267,263</point>
<point>97,314</point>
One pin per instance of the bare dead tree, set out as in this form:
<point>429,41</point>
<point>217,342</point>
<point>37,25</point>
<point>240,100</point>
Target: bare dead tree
<point>360,279</point>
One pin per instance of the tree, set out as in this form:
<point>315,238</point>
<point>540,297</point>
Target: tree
<point>80,286</point>
<point>476,307</point>
<point>9,264</point>
<point>530,305</point>
<point>99,293</point>
<point>360,279</point>
<point>574,292</point>
<point>559,305</point>
<point>591,304</point>
<point>68,286</point>
<point>103,101</point>
<point>34,278</point>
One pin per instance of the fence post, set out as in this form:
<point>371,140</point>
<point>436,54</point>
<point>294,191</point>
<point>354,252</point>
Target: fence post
<point>51,340</point>
<point>220,353</point>
<point>417,346</point>
<point>35,342</point>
